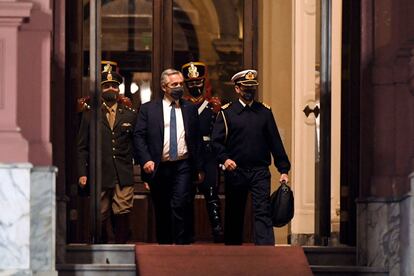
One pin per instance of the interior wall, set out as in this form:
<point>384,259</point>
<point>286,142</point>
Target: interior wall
<point>275,74</point>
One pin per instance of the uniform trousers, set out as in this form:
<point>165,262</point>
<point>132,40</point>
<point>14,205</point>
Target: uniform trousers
<point>119,200</point>
<point>238,183</point>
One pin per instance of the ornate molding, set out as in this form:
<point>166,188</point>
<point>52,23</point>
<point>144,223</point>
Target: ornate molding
<point>14,13</point>
<point>310,7</point>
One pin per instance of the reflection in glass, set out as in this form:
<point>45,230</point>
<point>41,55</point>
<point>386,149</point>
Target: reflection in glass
<point>210,31</point>
<point>126,39</point>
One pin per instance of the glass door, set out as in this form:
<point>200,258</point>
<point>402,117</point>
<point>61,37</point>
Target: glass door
<point>144,37</point>
<point>211,32</point>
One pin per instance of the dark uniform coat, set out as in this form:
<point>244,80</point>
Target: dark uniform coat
<point>117,147</point>
<point>248,135</point>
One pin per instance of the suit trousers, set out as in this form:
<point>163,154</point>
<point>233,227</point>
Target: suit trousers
<point>171,191</point>
<point>238,183</point>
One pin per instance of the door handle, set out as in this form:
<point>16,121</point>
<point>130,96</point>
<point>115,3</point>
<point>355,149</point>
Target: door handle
<point>307,110</point>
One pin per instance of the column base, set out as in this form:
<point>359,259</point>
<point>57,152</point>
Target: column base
<point>13,272</point>
<point>45,273</point>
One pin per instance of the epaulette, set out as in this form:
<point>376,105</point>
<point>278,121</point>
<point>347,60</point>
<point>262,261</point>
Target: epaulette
<point>215,103</point>
<point>226,105</point>
<point>266,105</point>
<point>83,104</point>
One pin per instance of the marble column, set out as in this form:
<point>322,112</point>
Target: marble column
<point>13,147</point>
<point>385,233</point>
<point>15,219</point>
<point>407,232</point>
<point>43,221</point>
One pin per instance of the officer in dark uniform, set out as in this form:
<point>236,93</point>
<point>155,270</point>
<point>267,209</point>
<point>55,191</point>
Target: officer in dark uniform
<point>244,136</point>
<point>118,122</point>
<point>195,77</point>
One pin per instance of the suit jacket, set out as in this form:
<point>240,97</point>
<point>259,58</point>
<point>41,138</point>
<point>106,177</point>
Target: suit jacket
<point>149,135</point>
<point>117,147</point>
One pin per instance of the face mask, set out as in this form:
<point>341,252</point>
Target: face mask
<point>109,96</point>
<point>248,94</point>
<point>177,92</point>
<point>195,91</point>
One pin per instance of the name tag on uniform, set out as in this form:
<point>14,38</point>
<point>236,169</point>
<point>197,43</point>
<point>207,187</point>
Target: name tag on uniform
<point>126,124</point>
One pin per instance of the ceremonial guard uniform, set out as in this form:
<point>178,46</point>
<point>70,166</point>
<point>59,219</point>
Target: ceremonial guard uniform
<point>195,74</point>
<point>118,122</point>
<point>245,136</point>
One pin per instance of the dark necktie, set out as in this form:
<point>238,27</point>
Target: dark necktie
<point>173,134</point>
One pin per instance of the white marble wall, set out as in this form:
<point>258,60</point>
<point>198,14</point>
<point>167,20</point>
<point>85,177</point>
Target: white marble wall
<point>14,218</point>
<point>407,232</point>
<point>27,220</point>
<point>43,220</point>
<point>385,233</point>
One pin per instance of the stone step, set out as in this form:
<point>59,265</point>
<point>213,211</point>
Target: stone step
<point>119,259</point>
<point>130,270</point>
<point>330,255</point>
<point>100,254</point>
<point>337,270</point>
<point>96,269</point>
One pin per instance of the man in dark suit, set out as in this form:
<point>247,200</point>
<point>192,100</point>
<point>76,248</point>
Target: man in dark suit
<point>118,122</point>
<point>168,142</point>
<point>244,136</point>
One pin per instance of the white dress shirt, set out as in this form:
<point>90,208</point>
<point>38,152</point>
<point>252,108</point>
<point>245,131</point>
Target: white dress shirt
<point>244,105</point>
<point>182,146</point>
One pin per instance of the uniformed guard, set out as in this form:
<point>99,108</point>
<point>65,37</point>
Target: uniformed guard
<point>118,121</point>
<point>244,137</point>
<point>195,74</point>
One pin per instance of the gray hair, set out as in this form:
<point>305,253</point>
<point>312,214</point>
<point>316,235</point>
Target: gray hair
<point>168,72</point>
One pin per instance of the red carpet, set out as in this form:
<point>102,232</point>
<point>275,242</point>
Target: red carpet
<point>200,260</point>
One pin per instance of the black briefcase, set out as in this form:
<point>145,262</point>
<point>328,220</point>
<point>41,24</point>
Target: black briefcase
<point>282,205</point>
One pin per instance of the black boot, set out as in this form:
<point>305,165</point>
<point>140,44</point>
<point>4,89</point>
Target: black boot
<point>122,231</point>
<point>215,220</point>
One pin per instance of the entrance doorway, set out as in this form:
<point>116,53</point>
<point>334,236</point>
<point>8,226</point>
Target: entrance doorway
<point>144,37</point>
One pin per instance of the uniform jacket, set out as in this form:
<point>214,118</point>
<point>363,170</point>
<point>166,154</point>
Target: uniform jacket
<point>248,136</point>
<point>149,135</point>
<point>117,147</point>
<point>207,111</point>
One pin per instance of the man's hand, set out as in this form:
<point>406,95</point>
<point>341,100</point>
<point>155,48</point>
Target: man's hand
<point>284,177</point>
<point>82,181</point>
<point>200,177</point>
<point>230,165</point>
<point>149,167</point>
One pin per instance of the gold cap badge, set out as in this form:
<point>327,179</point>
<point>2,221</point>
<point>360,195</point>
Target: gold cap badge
<point>192,71</point>
<point>249,76</point>
<point>108,68</point>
